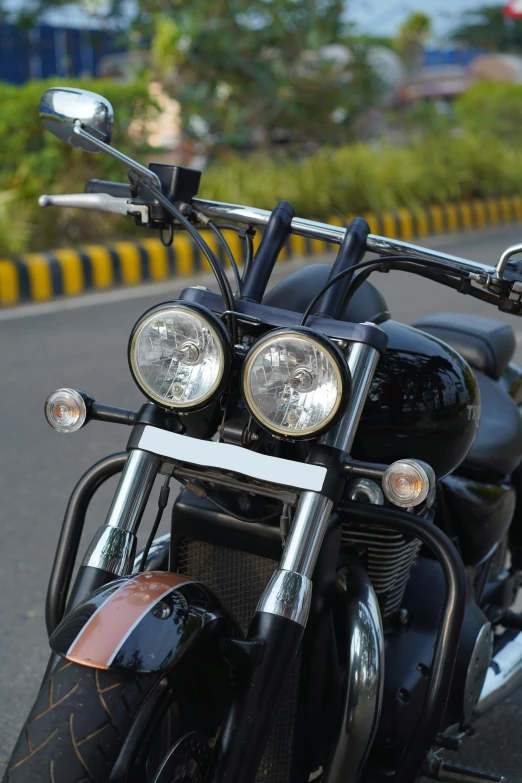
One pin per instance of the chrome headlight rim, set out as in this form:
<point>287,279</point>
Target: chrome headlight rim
<point>223,341</point>
<point>341,370</point>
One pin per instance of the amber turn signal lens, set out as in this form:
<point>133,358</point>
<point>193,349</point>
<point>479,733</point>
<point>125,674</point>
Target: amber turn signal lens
<point>65,410</point>
<point>406,483</point>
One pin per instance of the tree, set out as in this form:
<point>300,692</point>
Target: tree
<point>258,72</point>
<point>487,28</point>
<point>412,35</point>
<point>269,70</point>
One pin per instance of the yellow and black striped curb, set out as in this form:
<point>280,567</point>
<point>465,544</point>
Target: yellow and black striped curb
<point>38,277</point>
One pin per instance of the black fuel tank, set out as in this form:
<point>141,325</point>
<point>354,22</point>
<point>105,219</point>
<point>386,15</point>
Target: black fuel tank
<point>424,403</point>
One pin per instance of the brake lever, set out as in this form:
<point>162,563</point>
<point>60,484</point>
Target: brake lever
<point>101,201</point>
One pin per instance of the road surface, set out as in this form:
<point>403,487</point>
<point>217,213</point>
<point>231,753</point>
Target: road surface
<point>83,343</point>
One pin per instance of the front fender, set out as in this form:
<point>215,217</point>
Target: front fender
<point>144,622</point>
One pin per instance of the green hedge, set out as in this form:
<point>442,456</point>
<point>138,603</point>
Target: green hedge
<point>480,156</point>
<point>32,162</point>
<point>493,110</point>
<point>357,178</point>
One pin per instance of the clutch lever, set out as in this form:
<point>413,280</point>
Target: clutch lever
<point>101,201</point>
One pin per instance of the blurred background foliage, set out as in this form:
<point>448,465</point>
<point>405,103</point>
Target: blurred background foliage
<point>278,99</point>
<point>33,162</point>
<point>478,154</point>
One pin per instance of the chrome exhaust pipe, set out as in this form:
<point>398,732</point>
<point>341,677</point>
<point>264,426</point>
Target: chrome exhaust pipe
<point>503,677</point>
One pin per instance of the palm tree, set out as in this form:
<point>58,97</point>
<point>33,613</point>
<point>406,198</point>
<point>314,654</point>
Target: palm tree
<point>411,37</point>
<point>487,28</point>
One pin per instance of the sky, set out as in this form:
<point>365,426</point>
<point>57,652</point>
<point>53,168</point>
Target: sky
<point>383,17</point>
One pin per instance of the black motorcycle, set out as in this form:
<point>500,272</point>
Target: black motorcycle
<point>333,601</point>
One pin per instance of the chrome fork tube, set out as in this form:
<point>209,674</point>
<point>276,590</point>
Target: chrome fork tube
<point>114,545</point>
<point>288,592</point>
<point>362,361</point>
<point>133,490</point>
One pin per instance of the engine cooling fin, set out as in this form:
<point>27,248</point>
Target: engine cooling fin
<point>388,557</point>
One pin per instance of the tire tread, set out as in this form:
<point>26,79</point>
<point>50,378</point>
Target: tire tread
<point>76,726</point>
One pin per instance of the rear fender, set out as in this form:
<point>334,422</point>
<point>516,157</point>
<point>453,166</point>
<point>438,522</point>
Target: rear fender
<point>145,623</point>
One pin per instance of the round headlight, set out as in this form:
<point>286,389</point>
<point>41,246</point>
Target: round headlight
<point>295,382</point>
<point>180,355</point>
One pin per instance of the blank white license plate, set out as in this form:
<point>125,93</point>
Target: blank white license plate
<point>223,456</point>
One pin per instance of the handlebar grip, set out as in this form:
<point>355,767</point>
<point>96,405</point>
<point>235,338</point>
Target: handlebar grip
<point>277,231</point>
<point>350,253</point>
<point>116,189</point>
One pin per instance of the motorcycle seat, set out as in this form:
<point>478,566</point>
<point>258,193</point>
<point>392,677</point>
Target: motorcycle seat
<point>497,448</point>
<point>487,345</point>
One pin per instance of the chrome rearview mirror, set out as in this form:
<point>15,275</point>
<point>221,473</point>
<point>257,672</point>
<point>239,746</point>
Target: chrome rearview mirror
<point>85,120</point>
<point>64,110</point>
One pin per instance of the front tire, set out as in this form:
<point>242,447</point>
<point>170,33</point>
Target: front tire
<point>82,717</point>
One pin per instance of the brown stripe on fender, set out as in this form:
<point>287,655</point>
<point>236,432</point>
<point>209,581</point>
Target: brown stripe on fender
<point>111,624</point>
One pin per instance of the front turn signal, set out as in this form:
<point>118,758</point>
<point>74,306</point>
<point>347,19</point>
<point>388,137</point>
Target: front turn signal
<point>406,483</point>
<point>66,410</point>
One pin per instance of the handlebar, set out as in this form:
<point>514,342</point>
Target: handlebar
<point>335,234</point>
<point>116,189</point>
<point>106,195</point>
<point>306,228</point>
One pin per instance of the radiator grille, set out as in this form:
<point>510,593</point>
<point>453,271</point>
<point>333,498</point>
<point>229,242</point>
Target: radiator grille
<point>238,578</point>
<point>388,557</point>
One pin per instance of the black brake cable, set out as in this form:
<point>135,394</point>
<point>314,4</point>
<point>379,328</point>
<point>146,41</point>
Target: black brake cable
<point>381,264</point>
<point>162,504</point>
<point>436,276</point>
<point>226,247</point>
<point>248,236</point>
<point>222,279</point>
<point>246,233</point>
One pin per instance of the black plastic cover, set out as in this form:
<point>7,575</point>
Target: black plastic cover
<point>481,515</point>
<point>178,183</point>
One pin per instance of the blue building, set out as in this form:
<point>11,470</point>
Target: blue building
<point>438,54</point>
<point>45,50</point>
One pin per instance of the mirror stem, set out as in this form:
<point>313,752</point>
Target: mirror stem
<point>114,153</point>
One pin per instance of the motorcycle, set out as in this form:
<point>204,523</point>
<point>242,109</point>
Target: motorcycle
<point>334,601</point>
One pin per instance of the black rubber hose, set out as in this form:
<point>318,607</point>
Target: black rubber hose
<point>258,274</point>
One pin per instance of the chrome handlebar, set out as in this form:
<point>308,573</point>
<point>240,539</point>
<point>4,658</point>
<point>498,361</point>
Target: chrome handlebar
<point>335,234</point>
<point>382,246</point>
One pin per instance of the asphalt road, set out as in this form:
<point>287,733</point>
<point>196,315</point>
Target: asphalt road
<point>83,343</point>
